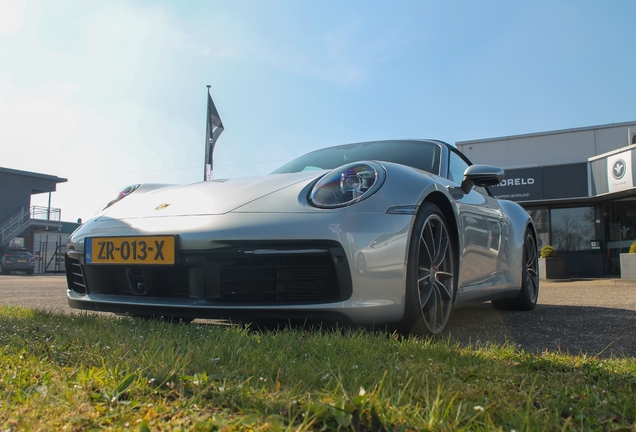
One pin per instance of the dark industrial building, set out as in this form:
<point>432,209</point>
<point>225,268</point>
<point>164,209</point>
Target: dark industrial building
<point>39,229</point>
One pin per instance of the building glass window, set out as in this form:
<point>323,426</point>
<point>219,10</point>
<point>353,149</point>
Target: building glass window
<point>620,231</point>
<point>572,228</point>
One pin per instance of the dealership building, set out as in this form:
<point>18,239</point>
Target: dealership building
<point>577,184</point>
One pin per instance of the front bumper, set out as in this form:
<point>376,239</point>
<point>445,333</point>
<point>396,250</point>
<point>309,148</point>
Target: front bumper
<point>263,275</point>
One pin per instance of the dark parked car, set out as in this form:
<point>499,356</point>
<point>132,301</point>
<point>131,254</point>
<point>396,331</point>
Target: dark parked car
<point>16,259</point>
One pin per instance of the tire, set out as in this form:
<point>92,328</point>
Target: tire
<point>529,292</point>
<point>430,287</point>
<point>29,272</point>
<point>2,270</point>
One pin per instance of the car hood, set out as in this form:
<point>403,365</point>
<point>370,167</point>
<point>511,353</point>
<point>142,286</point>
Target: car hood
<point>205,198</point>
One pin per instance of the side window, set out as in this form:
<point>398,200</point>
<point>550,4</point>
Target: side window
<point>456,168</point>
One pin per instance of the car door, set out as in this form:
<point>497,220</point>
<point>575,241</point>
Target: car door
<point>481,230</point>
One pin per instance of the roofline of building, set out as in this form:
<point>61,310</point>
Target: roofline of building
<point>612,152</point>
<point>536,134</point>
<point>33,174</point>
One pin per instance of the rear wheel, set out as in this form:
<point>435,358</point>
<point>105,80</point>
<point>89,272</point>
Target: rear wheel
<point>2,269</point>
<point>430,286</point>
<point>529,293</point>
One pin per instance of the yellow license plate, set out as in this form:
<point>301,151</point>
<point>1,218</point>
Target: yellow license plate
<point>130,250</point>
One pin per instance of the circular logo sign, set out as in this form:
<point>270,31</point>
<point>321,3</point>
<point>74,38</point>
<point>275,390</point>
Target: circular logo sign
<point>618,170</point>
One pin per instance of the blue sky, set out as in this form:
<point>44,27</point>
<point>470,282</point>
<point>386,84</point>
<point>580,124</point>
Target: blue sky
<point>112,93</point>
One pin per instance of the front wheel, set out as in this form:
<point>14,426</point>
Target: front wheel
<point>430,285</point>
<point>529,293</point>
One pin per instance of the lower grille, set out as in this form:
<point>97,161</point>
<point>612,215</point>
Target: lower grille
<point>254,274</point>
<point>170,281</point>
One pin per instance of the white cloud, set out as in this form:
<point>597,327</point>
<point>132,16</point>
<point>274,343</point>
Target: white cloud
<point>11,16</point>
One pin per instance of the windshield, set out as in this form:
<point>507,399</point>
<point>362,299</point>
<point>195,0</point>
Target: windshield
<point>423,155</point>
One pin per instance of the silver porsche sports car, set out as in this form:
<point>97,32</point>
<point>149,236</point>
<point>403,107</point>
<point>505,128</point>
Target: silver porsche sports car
<point>385,233</point>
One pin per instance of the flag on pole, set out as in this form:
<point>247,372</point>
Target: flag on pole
<point>214,129</point>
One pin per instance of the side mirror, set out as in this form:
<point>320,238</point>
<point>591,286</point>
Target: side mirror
<point>481,175</point>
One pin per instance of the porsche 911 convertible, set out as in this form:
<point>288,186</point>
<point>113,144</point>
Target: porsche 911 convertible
<point>388,234</point>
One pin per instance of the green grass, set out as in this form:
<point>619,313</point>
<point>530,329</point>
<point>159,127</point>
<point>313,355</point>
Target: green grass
<point>90,372</point>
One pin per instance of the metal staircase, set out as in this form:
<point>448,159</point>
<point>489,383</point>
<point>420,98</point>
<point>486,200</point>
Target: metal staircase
<point>42,217</point>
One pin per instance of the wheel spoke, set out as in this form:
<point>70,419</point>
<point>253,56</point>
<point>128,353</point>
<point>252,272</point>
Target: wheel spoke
<point>425,294</point>
<point>435,241</point>
<point>532,256</point>
<point>533,282</point>
<point>441,252</point>
<point>531,252</point>
<point>424,275</point>
<point>445,279</point>
<point>429,309</point>
<point>426,239</point>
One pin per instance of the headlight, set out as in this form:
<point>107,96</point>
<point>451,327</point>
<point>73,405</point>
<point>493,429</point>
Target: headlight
<point>347,185</point>
<point>121,195</point>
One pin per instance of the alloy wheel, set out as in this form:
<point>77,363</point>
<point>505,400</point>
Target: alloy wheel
<point>531,273</point>
<point>435,274</point>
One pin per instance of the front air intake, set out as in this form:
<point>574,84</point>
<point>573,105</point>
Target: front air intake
<point>74,275</point>
<point>280,278</point>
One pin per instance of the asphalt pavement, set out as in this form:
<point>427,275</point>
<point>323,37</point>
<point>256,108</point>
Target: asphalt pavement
<point>595,317</point>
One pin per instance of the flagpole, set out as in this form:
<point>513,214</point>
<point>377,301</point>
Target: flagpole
<point>214,128</point>
<point>206,160</point>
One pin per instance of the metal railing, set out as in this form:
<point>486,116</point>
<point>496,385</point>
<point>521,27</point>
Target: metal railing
<point>46,213</point>
<point>22,219</point>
